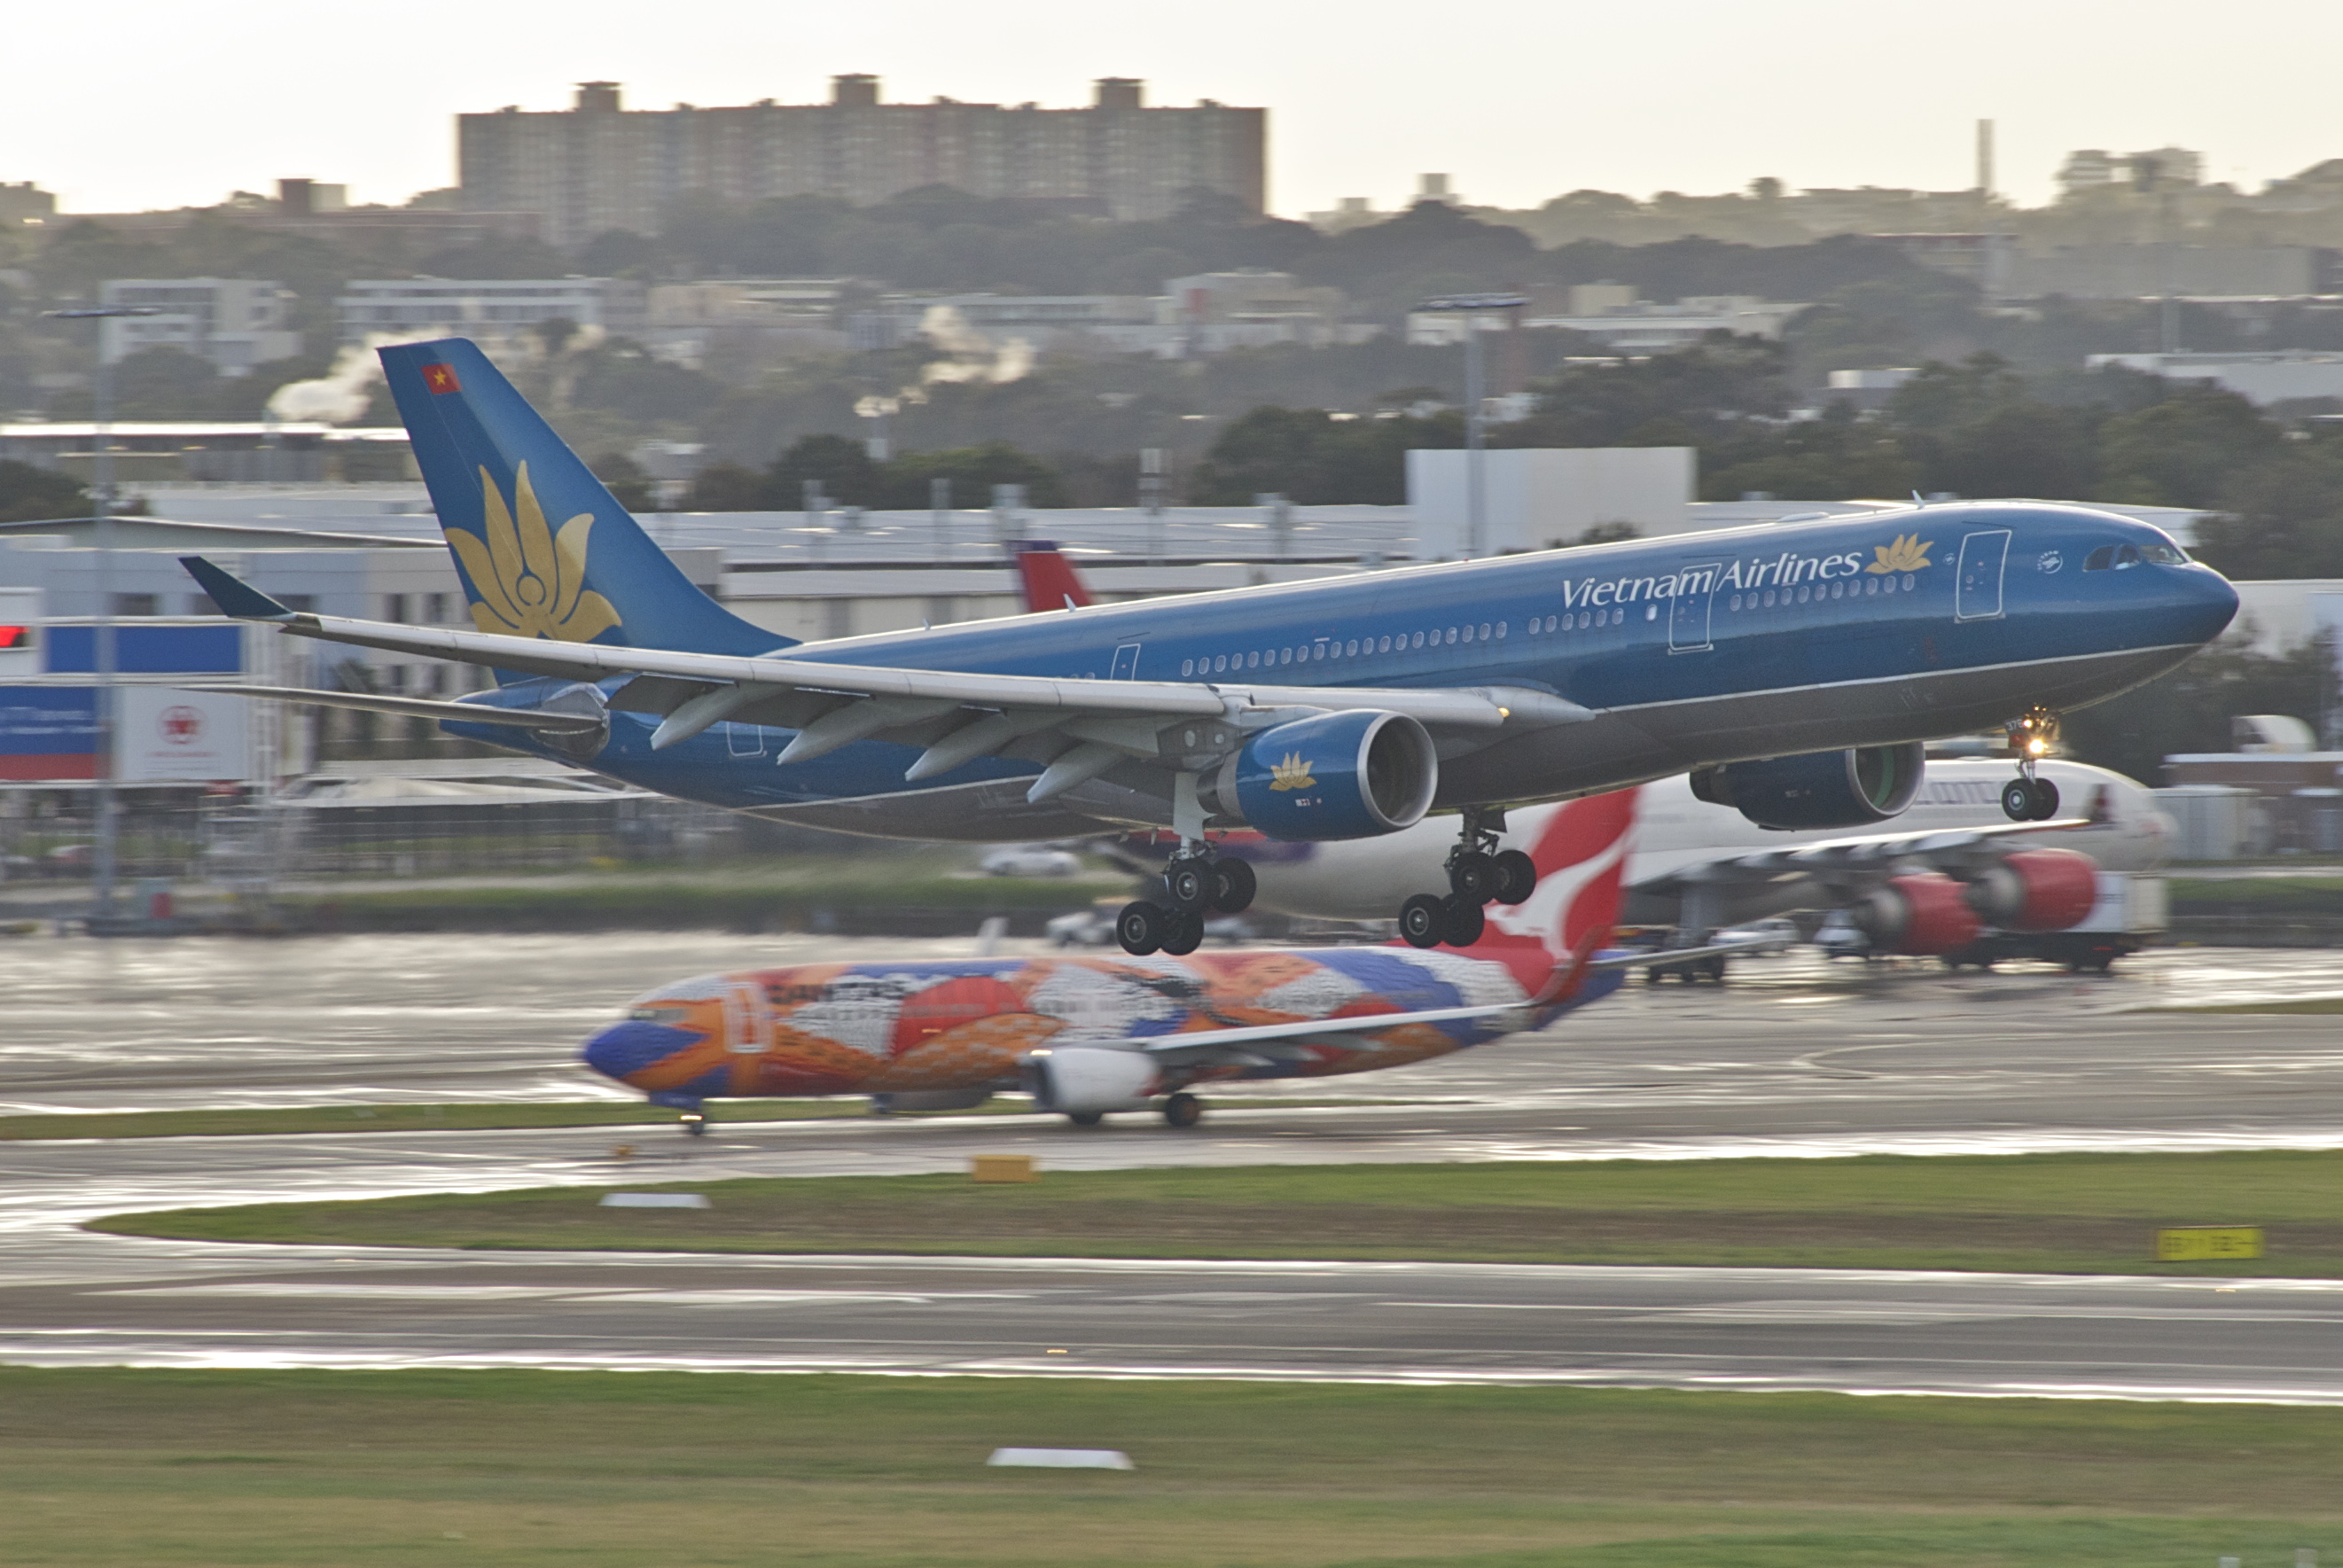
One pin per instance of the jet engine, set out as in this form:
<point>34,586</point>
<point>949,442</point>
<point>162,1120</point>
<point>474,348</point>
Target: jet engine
<point>2037,891</point>
<point>1922,914</point>
<point>1355,775</point>
<point>1849,788</point>
<point>1081,1081</point>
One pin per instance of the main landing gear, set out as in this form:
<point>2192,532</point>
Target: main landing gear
<point>1194,885</point>
<point>1479,874</point>
<point>2026,798</point>
<point>1198,879</point>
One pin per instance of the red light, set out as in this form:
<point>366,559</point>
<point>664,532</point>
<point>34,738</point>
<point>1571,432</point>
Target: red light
<point>13,637</point>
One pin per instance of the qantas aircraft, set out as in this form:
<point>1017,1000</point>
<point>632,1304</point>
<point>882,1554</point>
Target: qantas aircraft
<point>1087,1036</point>
<point>1954,868</point>
<point>1797,667</point>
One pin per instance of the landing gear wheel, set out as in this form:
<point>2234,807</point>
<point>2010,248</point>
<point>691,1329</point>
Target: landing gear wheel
<point>1516,877</point>
<point>1141,927</point>
<point>1086,1117</point>
<point>1183,933</point>
<point>2045,801</point>
<point>1473,875</point>
<point>2018,800</point>
<point>695,1124</point>
<point>1423,920</point>
<point>1188,884</point>
<point>1183,1110</point>
<point>1233,885</point>
<point>1465,923</point>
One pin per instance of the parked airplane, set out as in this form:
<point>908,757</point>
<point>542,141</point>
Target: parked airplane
<point>1087,1036</point>
<point>1798,667</point>
<point>1955,869</point>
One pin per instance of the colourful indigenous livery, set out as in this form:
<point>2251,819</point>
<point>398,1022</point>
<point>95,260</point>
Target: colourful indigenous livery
<point>1089,1035</point>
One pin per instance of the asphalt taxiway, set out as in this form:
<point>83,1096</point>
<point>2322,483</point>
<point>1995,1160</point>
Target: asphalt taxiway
<point>1794,1058</point>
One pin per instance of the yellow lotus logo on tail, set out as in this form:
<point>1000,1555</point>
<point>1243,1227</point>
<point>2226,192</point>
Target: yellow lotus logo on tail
<point>531,581</point>
<point>1291,774</point>
<point>1909,553</point>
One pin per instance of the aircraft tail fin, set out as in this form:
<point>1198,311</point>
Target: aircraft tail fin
<point>543,549</point>
<point>1049,579</point>
<point>1582,862</point>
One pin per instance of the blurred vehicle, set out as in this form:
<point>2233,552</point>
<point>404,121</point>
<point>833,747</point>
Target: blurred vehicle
<point>1030,860</point>
<point>1086,1036</point>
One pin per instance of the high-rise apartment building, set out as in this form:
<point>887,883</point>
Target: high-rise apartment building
<point>597,167</point>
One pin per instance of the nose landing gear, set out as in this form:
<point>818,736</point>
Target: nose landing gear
<point>1479,873</point>
<point>2028,798</point>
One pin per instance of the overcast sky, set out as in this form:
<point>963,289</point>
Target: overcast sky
<point>141,104</point>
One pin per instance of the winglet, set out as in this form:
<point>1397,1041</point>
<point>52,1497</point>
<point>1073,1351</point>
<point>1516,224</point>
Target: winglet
<point>235,598</point>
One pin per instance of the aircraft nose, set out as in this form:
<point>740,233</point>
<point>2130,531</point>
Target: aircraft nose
<point>629,1046</point>
<point>2211,602</point>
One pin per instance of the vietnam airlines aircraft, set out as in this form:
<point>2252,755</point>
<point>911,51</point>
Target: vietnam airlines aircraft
<point>1798,665</point>
<point>1087,1036</point>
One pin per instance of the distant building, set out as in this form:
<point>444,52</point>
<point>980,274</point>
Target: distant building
<point>2092,169</point>
<point>772,315</point>
<point>2151,271</point>
<point>25,205</point>
<point>213,451</point>
<point>596,167</point>
<point>1252,308</point>
<point>1208,313</point>
<point>231,323</point>
<point>1633,326</point>
<point>316,210</point>
<point>485,307</point>
<point>2273,377</point>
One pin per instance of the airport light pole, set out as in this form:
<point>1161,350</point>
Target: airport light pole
<point>1471,306</point>
<point>101,494</point>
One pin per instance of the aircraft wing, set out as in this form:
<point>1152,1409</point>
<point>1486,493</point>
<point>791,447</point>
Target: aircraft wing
<point>1255,1045</point>
<point>956,715</point>
<point>1853,861</point>
<point>420,707</point>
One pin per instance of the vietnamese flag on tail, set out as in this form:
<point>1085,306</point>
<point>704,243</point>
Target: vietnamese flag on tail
<point>441,379</point>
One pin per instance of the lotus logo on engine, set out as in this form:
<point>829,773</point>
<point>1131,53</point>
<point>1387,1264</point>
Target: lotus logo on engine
<point>1291,774</point>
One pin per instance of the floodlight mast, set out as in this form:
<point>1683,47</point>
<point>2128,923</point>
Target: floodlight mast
<point>1476,543</point>
<point>101,494</point>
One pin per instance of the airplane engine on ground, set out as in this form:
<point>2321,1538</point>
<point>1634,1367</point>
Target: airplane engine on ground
<point>2037,891</point>
<point>1356,775</point>
<point>1080,1083</point>
<point>1926,912</point>
<point>1850,788</point>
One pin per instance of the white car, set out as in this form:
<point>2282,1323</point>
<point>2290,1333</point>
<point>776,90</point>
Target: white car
<point>1030,860</point>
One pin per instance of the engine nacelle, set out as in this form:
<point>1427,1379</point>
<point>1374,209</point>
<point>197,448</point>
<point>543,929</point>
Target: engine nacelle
<point>1820,788</point>
<point>1356,775</point>
<point>1076,1081</point>
<point>1924,913</point>
<point>2037,891</point>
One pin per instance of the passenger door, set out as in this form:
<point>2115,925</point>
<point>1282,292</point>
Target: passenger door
<point>1688,616</point>
<point>1983,556</point>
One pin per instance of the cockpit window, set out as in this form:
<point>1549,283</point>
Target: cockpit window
<point>2099,559</point>
<point>2164,555</point>
<point>658,1014</point>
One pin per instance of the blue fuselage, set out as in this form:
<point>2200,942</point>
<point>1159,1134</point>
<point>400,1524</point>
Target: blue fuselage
<point>1712,648</point>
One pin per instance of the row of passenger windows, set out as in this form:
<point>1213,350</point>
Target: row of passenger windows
<point>1352,647</point>
<point>1840,589</point>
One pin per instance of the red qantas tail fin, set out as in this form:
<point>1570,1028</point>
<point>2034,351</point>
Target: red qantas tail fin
<point>1051,581</point>
<point>1582,861</point>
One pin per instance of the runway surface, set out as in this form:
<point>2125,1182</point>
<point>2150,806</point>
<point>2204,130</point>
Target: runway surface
<point>1793,1058</point>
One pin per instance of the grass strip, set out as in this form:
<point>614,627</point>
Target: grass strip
<point>2059,1213</point>
<point>2309,1004</point>
<point>596,1470</point>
